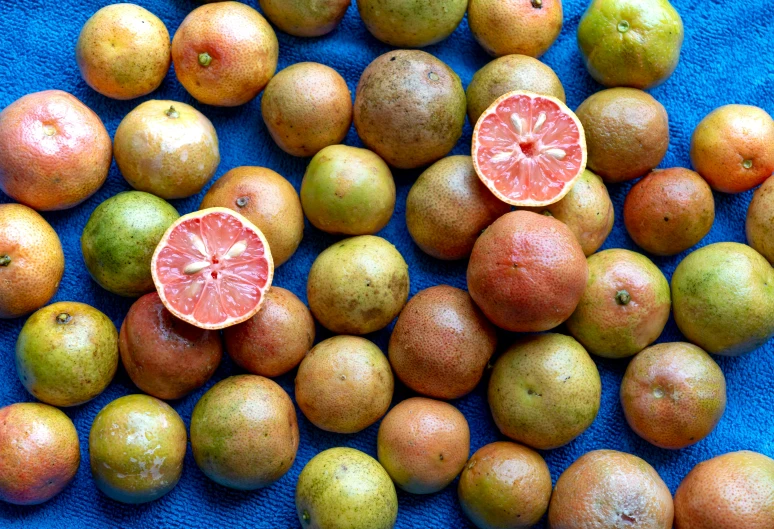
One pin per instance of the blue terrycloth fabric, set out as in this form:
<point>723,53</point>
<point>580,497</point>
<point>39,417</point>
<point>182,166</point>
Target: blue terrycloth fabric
<point>727,58</point>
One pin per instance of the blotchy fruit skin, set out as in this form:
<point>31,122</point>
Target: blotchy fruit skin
<point>544,391</point>
<point>224,53</point>
<point>448,207</point>
<point>723,298</point>
<point>630,42</point>
<point>344,384</point>
<point>409,108</point>
<point>137,445</point>
<point>119,240</point>
<point>526,27</point>
<point>605,489</point>
<point>123,51</point>
<point>673,394</point>
<point>31,261</point>
<point>423,444</point>
<point>347,190</point>
<point>506,74</point>
<point>305,18</point>
<point>733,148</point>
<point>267,200</point>
<point>625,306</point>
<point>411,23</point>
<point>441,343</point>
<point>164,356</point>
<point>734,490</point>
<point>343,488</point>
<point>760,219</point>
<point>244,432</point>
<point>669,211</point>
<point>275,340</point>
<point>307,106</point>
<point>39,453</point>
<point>358,285</point>
<point>627,133</point>
<point>67,353</point>
<point>527,272</point>
<point>505,486</point>
<point>167,148</point>
<point>56,151</point>
<point>587,210</point>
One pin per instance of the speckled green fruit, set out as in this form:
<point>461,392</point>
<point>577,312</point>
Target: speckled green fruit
<point>630,42</point>
<point>723,298</point>
<point>67,353</point>
<point>119,240</point>
<point>358,285</point>
<point>411,23</point>
<point>137,445</point>
<point>348,191</point>
<point>343,488</point>
<point>244,432</point>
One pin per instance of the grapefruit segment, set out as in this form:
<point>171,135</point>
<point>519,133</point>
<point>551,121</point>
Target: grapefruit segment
<point>529,149</point>
<point>212,268</point>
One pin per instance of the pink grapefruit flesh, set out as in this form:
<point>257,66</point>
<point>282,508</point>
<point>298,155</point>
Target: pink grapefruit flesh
<point>212,268</point>
<point>529,149</point>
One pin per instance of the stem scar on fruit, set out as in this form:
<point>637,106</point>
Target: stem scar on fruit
<point>538,4</point>
<point>172,113</point>
<point>622,297</point>
<point>63,318</point>
<point>205,59</point>
<point>623,26</point>
<point>747,164</point>
<point>5,260</point>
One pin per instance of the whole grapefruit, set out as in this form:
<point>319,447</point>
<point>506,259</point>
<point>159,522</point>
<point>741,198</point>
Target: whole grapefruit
<point>526,27</point>
<point>760,219</point>
<point>411,23</point>
<point>305,18</point>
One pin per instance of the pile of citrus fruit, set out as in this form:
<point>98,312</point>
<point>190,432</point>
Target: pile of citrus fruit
<point>528,209</point>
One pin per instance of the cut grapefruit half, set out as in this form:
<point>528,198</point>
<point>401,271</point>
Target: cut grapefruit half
<point>212,268</point>
<point>529,149</point>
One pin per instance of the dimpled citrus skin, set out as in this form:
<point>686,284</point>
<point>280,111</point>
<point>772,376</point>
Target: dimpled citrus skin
<point>307,106</point>
<point>137,445</point>
<point>39,453</point>
<point>587,210</point>
<point>267,200</point>
<point>627,133</point>
<point>544,391</point>
<point>409,108</point>
<point>733,148</point>
<point>669,211</point>
<point>527,27</point>
<point>448,207</point>
<point>358,285</point>
<point>275,340</point>
<point>56,151</point>
<point>67,353</point>
<point>605,489</point>
<point>630,42</point>
<point>673,394</point>
<point>505,486</point>
<point>760,219</point>
<point>224,53</point>
<point>527,272</point>
<point>723,298</point>
<point>167,148</point>
<point>506,74</point>
<point>344,384</point>
<point>441,343</point>
<point>123,51</point>
<point>347,190</point>
<point>411,23</point>
<point>625,306</point>
<point>731,491</point>
<point>305,18</point>
<point>244,432</point>
<point>31,261</point>
<point>423,444</point>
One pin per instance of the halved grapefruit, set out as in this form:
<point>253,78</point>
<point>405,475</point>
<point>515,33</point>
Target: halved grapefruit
<point>212,268</point>
<point>529,149</point>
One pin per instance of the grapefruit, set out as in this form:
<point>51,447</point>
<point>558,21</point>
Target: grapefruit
<point>305,18</point>
<point>411,24</point>
<point>529,149</point>
<point>212,268</point>
<point>528,27</point>
<point>760,219</point>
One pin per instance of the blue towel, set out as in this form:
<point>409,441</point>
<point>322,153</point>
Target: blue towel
<point>727,58</point>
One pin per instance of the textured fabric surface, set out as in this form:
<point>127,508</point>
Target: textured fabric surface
<point>727,58</point>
